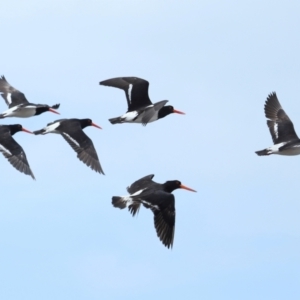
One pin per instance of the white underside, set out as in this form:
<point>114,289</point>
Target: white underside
<point>295,150</point>
<point>20,112</point>
<point>130,116</point>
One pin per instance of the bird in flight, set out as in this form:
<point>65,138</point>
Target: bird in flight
<point>140,107</point>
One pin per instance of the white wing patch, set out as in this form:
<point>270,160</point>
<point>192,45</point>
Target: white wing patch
<point>8,98</point>
<point>3,149</point>
<point>276,130</point>
<point>71,139</point>
<point>129,91</point>
<point>150,204</point>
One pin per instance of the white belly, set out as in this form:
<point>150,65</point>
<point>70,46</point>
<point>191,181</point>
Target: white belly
<point>295,150</point>
<point>20,112</point>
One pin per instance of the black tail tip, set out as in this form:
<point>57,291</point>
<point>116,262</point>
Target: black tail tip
<point>262,152</point>
<point>56,106</point>
<point>38,132</point>
<point>115,120</point>
<point>118,202</point>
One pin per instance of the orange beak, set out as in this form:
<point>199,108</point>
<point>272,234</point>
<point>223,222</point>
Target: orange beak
<point>178,112</point>
<point>23,129</point>
<point>54,111</point>
<point>93,124</point>
<point>187,188</point>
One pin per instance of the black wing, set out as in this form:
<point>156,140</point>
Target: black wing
<point>140,184</point>
<point>84,147</point>
<point>164,218</point>
<point>11,95</point>
<point>15,154</point>
<point>280,125</point>
<point>136,90</point>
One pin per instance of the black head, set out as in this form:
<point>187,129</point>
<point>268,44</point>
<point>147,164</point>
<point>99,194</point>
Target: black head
<point>171,185</point>
<point>166,110</point>
<point>16,128</point>
<point>43,108</point>
<point>88,122</point>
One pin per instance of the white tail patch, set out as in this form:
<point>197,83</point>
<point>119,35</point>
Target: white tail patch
<point>130,116</point>
<point>51,128</point>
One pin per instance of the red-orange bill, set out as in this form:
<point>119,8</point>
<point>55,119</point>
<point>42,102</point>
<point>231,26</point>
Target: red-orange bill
<point>178,112</point>
<point>23,129</point>
<point>54,111</point>
<point>95,125</point>
<point>187,188</point>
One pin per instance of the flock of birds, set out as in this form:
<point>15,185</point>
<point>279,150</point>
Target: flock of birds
<point>157,197</point>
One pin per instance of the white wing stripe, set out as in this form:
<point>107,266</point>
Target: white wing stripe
<point>8,98</point>
<point>70,138</point>
<point>2,148</point>
<point>129,92</point>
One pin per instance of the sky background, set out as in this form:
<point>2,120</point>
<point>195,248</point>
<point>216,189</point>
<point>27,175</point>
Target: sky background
<point>238,237</point>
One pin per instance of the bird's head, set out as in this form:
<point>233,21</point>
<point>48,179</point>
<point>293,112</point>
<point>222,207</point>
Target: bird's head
<point>88,122</point>
<point>16,128</point>
<point>166,110</point>
<point>172,185</point>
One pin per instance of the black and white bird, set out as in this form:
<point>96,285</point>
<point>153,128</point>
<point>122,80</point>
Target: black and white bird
<point>71,131</point>
<point>12,150</point>
<point>18,104</point>
<point>159,199</point>
<point>286,141</point>
<point>140,107</point>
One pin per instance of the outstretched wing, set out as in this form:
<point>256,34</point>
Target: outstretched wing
<point>15,154</point>
<point>164,219</point>
<point>84,148</point>
<point>11,95</point>
<point>140,184</point>
<point>136,90</point>
<point>280,125</point>
<point>152,111</point>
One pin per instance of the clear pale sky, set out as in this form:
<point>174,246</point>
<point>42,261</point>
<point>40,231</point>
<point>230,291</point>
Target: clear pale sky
<point>238,237</point>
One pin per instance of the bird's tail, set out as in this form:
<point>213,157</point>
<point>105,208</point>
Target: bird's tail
<point>41,131</point>
<point>2,116</point>
<point>56,106</point>
<point>122,202</point>
<point>117,120</point>
<point>118,202</point>
<point>263,152</point>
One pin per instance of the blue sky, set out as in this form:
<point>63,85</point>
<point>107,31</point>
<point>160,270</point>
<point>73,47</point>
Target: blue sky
<point>238,237</point>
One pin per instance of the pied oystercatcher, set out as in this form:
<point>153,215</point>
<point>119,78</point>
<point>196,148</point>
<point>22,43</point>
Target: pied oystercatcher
<point>286,141</point>
<point>159,199</point>
<point>12,150</point>
<point>19,105</point>
<point>140,107</point>
<point>71,131</point>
